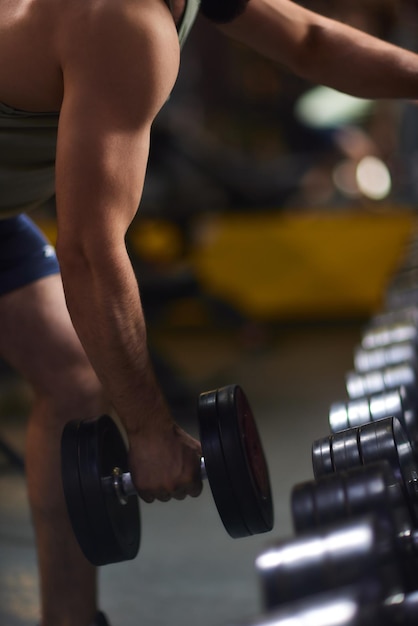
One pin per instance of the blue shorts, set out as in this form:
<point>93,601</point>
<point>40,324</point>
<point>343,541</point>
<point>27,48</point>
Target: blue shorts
<point>25,254</point>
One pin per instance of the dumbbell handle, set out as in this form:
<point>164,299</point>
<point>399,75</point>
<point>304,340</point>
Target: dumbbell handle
<point>123,486</point>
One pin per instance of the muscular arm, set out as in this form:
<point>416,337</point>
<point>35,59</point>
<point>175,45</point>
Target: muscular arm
<point>326,52</point>
<point>117,75</point>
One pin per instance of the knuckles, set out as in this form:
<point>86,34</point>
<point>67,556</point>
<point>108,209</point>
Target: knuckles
<point>170,490</point>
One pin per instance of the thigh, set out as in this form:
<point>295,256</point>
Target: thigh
<point>36,334</point>
<point>37,337</point>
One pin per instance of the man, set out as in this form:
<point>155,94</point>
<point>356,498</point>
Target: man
<point>108,66</point>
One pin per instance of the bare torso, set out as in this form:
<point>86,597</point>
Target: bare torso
<point>30,34</point>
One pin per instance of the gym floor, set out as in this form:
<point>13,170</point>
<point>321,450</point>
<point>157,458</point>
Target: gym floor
<point>188,570</point>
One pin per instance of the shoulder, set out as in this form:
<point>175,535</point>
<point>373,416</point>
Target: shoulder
<point>93,23</point>
<point>95,16</point>
<point>115,48</point>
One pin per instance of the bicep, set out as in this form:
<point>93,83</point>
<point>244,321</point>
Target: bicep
<point>115,82</point>
<point>100,173</point>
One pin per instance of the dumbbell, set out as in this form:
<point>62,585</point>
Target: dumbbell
<point>343,495</point>
<point>406,315</point>
<point>361,551</point>
<point>401,295</point>
<point>347,495</point>
<point>399,403</point>
<point>381,380</point>
<point>102,501</point>
<point>403,289</point>
<point>342,608</point>
<point>378,392</point>
<point>405,277</point>
<point>410,256</point>
<point>384,440</point>
<point>402,378</point>
<point>381,335</point>
<point>366,360</point>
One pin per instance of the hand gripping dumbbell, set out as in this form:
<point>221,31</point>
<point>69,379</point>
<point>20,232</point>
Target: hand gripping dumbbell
<point>102,501</point>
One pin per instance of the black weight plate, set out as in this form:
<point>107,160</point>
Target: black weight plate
<point>85,535</point>
<point>245,460</point>
<point>114,526</point>
<point>101,449</point>
<point>216,469</point>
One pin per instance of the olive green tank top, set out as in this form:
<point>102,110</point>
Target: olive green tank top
<point>28,146</point>
<point>188,19</point>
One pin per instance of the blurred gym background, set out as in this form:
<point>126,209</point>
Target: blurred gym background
<point>274,214</point>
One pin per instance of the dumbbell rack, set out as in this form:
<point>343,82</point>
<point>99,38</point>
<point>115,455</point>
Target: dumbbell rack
<point>354,558</point>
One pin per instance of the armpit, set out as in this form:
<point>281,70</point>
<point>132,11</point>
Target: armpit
<point>222,11</point>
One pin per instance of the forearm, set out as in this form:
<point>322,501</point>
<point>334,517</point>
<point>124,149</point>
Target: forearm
<point>103,300</point>
<point>326,52</point>
<point>105,307</point>
<point>356,63</point>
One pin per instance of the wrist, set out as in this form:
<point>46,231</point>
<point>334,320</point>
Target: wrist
<point>150,416</point>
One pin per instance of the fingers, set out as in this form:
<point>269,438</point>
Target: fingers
<point>193,490</point>
<point>149,497</point>
<point>166,467</point>
<point>180,494</point>
<point>196,489</point>
<point>146,496</point>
